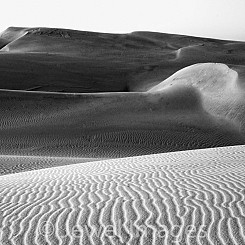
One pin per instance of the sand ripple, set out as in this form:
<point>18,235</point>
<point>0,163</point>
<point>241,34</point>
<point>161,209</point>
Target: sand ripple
<point>154,199</point>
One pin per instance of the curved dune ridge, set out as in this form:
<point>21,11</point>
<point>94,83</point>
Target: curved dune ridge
<point>191,197</point>
<point>14,164</point>
<point>11,35</point>
<point>221,89</point>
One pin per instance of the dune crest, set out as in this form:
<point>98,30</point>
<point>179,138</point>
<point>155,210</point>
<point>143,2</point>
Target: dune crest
<point>10,164</point>
<point>11,35</point>
<point>221,89</point>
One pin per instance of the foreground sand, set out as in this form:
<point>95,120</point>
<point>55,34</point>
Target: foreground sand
<point>191,197</point>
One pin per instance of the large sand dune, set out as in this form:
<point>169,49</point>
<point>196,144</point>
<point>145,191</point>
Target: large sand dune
<point>49,59</point>
<point>200,106</point>
<point>191,197</point>
<point>112,124</point>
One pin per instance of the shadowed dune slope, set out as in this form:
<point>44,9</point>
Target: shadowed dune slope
<point>111,125</point>
<point>48,59</point>
<point>151,199</point>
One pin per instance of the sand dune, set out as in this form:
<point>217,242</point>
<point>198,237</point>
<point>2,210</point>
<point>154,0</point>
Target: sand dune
<point>14,164</point>
<point>109,125</point>
<point>48,59</point>
<point>222,89</point>
<point>200,106</point>
<point>153,199</point>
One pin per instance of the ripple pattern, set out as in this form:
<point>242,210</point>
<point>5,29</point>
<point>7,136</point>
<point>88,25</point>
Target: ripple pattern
<point>191,197</point>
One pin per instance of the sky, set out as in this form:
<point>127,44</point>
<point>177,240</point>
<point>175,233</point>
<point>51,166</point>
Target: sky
<point>222,19</point>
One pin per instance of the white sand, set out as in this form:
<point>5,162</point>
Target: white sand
<point>151,194</point>
<point>221,89</point>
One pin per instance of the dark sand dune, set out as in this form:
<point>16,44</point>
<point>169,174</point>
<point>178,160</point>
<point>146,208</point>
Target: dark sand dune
<point>47,59</point>
<point>192,197</point>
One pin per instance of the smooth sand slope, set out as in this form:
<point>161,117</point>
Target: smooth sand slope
<point>191,197</point>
